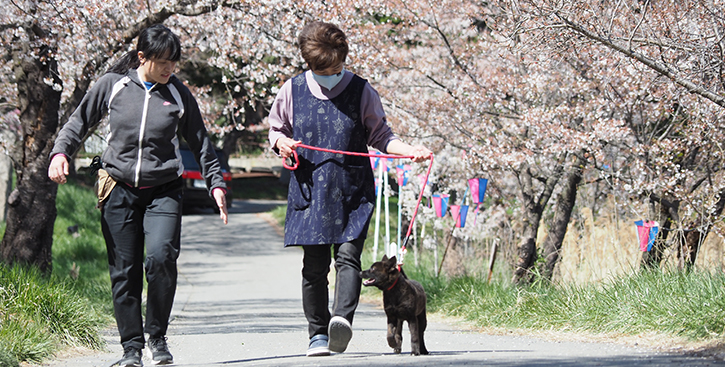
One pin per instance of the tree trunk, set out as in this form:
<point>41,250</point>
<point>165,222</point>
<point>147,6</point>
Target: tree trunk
<point>689,244</point>
<point>533,208</point>
<point>669,213</point>
<point>451,263</point>
<point>31,212</point>
<point>564,207</point>
<point>31,206</point>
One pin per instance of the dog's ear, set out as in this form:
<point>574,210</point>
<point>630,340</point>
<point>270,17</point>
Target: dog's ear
<point>391,262</point>
<point>385,258</point>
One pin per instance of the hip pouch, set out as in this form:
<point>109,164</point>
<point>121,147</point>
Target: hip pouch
<point>104,184</point>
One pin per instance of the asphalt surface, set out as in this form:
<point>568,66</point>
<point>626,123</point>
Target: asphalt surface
<point>238,303</point>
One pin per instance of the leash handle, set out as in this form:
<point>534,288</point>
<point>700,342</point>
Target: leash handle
<point>295,161</point>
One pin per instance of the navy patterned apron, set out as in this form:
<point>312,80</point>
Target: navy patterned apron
<point>331,196</point>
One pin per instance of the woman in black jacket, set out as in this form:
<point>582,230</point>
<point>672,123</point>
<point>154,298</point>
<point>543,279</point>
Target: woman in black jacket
<point>148,109</point>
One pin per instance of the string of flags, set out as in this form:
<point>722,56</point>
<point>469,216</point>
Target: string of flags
<point>647,230</point>
<point>440,202</point>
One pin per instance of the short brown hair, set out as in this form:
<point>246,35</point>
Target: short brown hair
<point>322,45</point>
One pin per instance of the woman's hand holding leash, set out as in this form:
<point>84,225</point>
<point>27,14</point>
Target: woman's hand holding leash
<point>286,146</point>
<point>417,153</point>
<point>420,153</point>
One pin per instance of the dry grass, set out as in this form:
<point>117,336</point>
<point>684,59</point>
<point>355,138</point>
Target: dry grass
<point>597,249</point>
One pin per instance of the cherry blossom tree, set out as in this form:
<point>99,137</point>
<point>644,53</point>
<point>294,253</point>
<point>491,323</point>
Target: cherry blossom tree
<point>677,48</point>
<point>458,73</point>
<point>53,51</point>
<point>535,91</point>
<point>539,96</point>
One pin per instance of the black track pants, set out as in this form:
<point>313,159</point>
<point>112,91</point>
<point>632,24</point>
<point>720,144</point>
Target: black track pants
<point>130,218</point>
<point>316,266</point>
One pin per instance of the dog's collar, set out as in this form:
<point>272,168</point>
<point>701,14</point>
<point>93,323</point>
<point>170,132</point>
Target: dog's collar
<point>394,283</point>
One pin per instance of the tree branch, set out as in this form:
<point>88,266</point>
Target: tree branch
<point>652,64</point>
<point>92,67</point>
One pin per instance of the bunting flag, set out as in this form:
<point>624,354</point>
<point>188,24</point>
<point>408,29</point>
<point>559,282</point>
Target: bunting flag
<point>647,232</point>
<point>440,202</point>
<point>459,212</point>
<point>478,189</point>
<point>375,161</point>
<point>403,171</point>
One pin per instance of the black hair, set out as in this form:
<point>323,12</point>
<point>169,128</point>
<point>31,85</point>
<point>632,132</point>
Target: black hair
<point>155,42</point>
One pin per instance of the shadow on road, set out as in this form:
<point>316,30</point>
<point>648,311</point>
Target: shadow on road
<point>240,316</point>
<point>462,358</point>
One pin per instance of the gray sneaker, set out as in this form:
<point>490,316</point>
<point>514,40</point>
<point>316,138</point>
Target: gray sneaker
<point>340,332</point>
<point>318,346</point>
<point>160,351</point>
<point>131,358</point>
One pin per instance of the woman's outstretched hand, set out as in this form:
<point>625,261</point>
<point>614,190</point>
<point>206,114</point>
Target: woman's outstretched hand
<point>58,169</point>
<point>221,202</point>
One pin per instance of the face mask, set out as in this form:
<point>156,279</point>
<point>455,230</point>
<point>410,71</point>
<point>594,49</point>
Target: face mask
<point>329,81</point>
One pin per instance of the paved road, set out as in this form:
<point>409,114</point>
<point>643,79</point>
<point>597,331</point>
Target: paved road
<point>239,304</point>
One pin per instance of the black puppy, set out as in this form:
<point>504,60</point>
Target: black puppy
<point>403,299</point>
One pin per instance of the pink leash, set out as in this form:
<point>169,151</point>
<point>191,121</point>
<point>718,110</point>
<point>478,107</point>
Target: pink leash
<point>420,197</point>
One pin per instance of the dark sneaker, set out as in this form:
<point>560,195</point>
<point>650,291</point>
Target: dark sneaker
<point>340,332</point>
<point>318,346</point>
<point>160,351</point>
<point>131,358</point>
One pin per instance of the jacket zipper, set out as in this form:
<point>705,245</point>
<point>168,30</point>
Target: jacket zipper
<point>141,132</point>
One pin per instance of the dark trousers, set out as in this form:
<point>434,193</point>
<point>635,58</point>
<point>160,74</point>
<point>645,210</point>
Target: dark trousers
<point>130,218</point>
<point>315,268</point>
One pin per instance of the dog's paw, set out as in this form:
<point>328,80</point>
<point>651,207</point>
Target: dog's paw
<point>392,343</point>
<point>417,350</point>
<point>396,350</point>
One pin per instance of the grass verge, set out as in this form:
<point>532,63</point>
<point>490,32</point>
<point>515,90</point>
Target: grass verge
<point>685,305</point>
<point>41,315</point>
